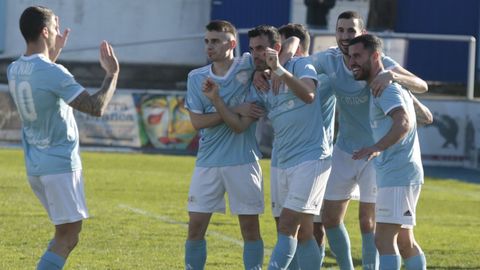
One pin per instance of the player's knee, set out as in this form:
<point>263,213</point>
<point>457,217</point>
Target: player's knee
<point>68,230</point>
<point>287,228</point>
<point>67,235</point>
<point>195,233</point>
<point>304,234</point>
<point>250,227</point>
<point>382,242</point>
<point>250,231</point>
<point>379,242</point>
<point>367,224</point>
<point>67,242</point>
<point>251,236</point>
<point>330,221</point>
<point>72,241</point>
<point>196,230</point>
<point>405,244</point>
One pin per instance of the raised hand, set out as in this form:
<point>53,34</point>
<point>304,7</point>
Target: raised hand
<point>61,38</point>
<point>108,60</point>
<point>271,56</point>
<point>60,42</point>
<point>380,82</point>
<point>210,89</point>
<point>260,80</point>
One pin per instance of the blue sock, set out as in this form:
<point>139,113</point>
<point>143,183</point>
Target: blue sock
<point>253,254</point>
<point>369,252</point>
<point>340,245</point>
<point>195,254</point>
<point>283,252</point>
<point>308,255</point>
<point>416,262</point>
<point>390,262</point>
<point>50,261</point>
<point>294,262</point>
<point>322,254</point>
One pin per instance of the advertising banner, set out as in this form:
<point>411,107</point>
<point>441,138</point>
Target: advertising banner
<point>157,120</point>
<point>149,119</point>
<point>472,136</point>
<point>119,126</point>
<point>10,122</point>
<point>453,137</point>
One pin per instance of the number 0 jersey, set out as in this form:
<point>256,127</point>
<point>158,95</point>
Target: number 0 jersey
<point>42,90</point>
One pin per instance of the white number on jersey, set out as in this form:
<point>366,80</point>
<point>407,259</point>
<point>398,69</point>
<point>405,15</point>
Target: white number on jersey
<point>22,95</point>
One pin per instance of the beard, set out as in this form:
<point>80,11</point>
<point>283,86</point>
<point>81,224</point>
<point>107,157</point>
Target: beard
<point>363,72</point>
<point>361,75</point>
<point>343,50</point>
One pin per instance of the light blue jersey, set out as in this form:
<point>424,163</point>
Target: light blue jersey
<point>41,91</point>
<point>325,92</point>
<point>219,145</point>
<point>327,97</point>
<point>352,97</point>
<point>297,126</point>
<point>401,163</point>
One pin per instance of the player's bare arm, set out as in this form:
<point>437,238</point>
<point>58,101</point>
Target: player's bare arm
<point>400,128</point>
<point>206,120</point>
<point>423,114</point>
<point>409,80</point>
<point>97,103</point>
<point>304,88</point>
<point>289,49</point>
<point>249,109</point>
<point>401,76</point>
<point>236,122</point>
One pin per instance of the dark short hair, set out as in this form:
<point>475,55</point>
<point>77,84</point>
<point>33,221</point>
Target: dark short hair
<point>370,42</point>
<point>265,30</point>
<point>222,26</point>
<point>33,20</point>
<point>296,30</point>
<point>352,15</point>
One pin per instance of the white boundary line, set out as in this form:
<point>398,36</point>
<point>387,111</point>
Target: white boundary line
<point>169,220</point>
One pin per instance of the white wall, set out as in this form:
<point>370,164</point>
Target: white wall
<point>298,12</point>
<point>120,22</point>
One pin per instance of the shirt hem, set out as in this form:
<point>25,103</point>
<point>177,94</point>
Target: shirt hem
<point>40,173</point>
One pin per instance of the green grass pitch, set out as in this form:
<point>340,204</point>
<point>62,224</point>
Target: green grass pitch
<point>138,218</point>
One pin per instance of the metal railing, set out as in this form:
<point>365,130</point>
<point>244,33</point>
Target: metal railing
<point>410,36</point>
